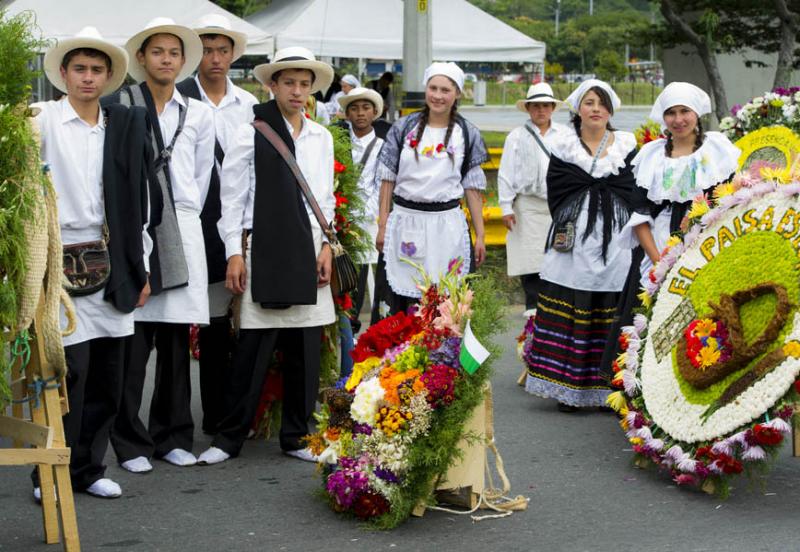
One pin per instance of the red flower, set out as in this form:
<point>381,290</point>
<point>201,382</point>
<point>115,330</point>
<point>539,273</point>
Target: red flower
<point>385,334</point>
<point>340,199</point>
<point>615,366</point>
<point>439,148</point>
<point>369,505</point>
<point>766,435</point>
<point>623,342</point>
<point>413,143</point>
<point>338,167</point>
<point>705,453</point>
<point>345,302</point>
<point>728,464</point>
<point>797,386</point>
<point>308,115</point>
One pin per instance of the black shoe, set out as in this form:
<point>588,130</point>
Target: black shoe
<point>567,408</point>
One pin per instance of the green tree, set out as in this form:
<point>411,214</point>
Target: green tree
<point>242,8</point>
<point>609,65</point>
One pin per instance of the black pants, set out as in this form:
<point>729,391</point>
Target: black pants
<point>94,387</point>
<point>170,425</point>
<point>358,298</point>
<point>216,350</point>
<point>530,285</point>
<point>301,349</point>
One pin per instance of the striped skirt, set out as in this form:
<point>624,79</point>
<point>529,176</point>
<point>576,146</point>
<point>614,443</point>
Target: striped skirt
<point>564,353</point>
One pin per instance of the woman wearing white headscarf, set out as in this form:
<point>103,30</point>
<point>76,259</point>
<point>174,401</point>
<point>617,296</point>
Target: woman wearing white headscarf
<point>430,160</point>
<point>670,173</point>
<point>590,193</point>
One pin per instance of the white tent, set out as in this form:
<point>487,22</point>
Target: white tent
<point>118,21</point>
<point>373,29</point>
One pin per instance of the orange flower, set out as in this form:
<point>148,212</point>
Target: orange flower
<point>391,379</point>
<point>333,433</point>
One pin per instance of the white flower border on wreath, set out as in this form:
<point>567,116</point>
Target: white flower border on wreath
<point>782,110</point>
<point>653,443</point>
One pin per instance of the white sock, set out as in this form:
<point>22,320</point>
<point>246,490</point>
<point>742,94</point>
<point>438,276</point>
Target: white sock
<point>213,455</point>
<point>140,464</point>
<point>304,454</point>
<point>180,457</point>
<point>104,488</point>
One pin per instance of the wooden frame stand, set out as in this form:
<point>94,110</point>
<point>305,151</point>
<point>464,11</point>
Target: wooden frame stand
<point>44,432</point>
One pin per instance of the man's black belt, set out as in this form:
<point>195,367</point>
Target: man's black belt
<point>428,207</point>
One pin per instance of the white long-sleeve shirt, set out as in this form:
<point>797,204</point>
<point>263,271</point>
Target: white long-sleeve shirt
<point>368,183</point>
<point>314,153</point>
<point>523,166</point>
<point>235,109</point>
<point>73,151</point>
<point>193,155</point>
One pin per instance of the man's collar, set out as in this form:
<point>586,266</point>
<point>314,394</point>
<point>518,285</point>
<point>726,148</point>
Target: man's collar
<point>230,92</point>
<point>68,113</point>
<point>367,138</point>
<point>177,96</point>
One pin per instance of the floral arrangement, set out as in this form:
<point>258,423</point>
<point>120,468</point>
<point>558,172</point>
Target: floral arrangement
<point>708,370</point>
<point>428,151</point>
<point>776,108</point>
<point>648,132</point>
<point>388,431</point>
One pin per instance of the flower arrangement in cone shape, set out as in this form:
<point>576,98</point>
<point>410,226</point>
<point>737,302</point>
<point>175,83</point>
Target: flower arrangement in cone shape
<point>708,370</point>
<point>386,433</point>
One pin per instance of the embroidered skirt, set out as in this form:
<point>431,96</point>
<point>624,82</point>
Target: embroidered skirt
<point>570,332</point>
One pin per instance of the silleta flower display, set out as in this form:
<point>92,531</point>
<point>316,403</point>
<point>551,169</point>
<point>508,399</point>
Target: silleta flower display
<point>389,430</point>
<point>708,370</point>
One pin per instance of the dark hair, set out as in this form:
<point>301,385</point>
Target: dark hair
<point>699,138</point>
<point>90,52</point>
<point>214,36</point>
<point>276,75</point>
<point>387,77</point>
<point>605,101</point>
<point>147,40</point>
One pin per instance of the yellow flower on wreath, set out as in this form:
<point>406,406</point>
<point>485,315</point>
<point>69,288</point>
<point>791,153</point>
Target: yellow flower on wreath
<point>704,327</point>
<point>699,208</point>
<point>708,357</point>
<point>781,175</point>
<point>724,190</point>
<point>645,299</point>
<point>792,349</point>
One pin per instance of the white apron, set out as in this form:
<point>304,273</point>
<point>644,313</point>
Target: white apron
<point>371,229</point>
<point>187,304</point>
<point>429,239</point>
<point>254,316</point>
<point>525,243</point>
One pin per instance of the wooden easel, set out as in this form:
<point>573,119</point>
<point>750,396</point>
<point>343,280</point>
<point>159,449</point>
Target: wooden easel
<point>45,433</point>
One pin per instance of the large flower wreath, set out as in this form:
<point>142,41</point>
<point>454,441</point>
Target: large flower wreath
<point>708,370</point>
<point>388,431</point>
<point>781,107</point>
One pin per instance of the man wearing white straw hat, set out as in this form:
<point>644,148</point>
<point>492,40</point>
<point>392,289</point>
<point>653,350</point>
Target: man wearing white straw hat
<point>102,211</point>
<point>232,107</point>
<point>361,107</point>
<point>182,142</point>
<point>522,187</point>
<point>283,272</point>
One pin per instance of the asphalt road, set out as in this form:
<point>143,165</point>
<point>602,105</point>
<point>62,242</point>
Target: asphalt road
<point>507,118</point>
<point>584,495</point>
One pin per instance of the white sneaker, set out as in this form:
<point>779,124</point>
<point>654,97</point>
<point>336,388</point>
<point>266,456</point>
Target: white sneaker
<point>105,488</point>
<point>302,454</point>
<point>140,464</point>
<point>181,458</point>
<point>528,313</point>
<point>213,455</point>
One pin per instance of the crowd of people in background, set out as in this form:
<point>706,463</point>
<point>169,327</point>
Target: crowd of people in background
<point>190,186</point>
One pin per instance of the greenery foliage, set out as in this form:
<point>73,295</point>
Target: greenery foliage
<point>19,163</point>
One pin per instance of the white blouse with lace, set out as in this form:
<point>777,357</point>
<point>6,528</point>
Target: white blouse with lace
<point>583,268</point>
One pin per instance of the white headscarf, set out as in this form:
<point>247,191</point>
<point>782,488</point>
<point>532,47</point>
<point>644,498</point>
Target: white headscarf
<point>680,93</point>
<point>449,69</point>
<point>351,80</point>
<point>574,99</point>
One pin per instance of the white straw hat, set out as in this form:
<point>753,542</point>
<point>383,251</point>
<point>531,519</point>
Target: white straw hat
<point>363,94</point>
<point>215,23</point>
<point>88,37</point>
<point>538,93</point>
<point>296,57</point>
<point>192,46</point>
